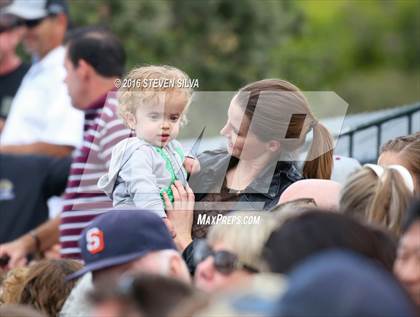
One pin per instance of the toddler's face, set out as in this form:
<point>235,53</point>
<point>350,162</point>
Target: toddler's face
<point>158,124</point>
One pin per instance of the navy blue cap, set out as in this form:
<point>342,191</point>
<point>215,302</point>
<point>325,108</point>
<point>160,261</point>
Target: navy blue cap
<point>339,283</point>
<point>120,236</point>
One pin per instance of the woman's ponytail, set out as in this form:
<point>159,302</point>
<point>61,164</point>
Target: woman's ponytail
<point>319,160</point>
<point>389,201</point>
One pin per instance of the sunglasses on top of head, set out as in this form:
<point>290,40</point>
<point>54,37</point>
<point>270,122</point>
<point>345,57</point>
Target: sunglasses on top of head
<point>225,262</point>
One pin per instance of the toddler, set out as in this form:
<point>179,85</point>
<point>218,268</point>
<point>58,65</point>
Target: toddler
<point>142,168</point>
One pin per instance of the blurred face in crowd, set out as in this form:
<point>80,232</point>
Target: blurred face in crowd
<point>407,264</point>
<point>115,307</point>
<point>43,35</point>
<point>75,81</point>
<point>242,142</point>
<point>210,279</point>
<point>9,40</point>
<point>159,124</point>
<point>166,263</point>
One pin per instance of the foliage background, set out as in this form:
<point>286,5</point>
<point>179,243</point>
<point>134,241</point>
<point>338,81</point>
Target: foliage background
<point>365,50</point>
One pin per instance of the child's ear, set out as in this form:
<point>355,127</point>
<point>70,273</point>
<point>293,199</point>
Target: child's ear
<point>131,121</point>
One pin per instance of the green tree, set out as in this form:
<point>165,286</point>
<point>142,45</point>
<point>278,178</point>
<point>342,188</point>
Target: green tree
<point>224,44</point>
<point>365,50</point>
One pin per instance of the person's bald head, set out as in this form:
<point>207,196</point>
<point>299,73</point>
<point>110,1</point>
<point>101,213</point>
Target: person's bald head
<point>325,193</point>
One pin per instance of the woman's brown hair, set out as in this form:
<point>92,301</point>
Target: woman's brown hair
<point>45,287</point>
<point>284,114</point>
<point>408,149</point>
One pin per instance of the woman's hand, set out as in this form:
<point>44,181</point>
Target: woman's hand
<point>180,213</point>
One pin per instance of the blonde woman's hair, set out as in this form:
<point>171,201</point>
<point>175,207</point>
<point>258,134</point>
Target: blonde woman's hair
<point>12,285</point>
<point>408,149</point>
<point>245,240</point>
<point>284,114</point>
<point>137,87</point>
<point>45,287</point>
<point>377,200</point>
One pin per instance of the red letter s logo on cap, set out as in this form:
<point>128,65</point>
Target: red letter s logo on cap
<point>95,240</point>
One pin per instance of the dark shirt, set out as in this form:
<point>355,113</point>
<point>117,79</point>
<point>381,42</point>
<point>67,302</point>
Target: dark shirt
<point>209,186</point>
<point>26,183</point>
<point>9,84</point>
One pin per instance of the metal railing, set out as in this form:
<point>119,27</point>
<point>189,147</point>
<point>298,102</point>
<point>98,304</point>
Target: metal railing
<point>408,113</point>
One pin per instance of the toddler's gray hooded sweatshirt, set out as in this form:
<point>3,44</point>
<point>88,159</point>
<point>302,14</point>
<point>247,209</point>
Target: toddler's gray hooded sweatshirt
<point>139,172</point>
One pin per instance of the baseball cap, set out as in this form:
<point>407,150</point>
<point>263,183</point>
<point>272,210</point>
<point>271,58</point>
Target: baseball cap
<point>343,167</point>
<point>36,9</point>
<point>120,236</point>
<point>342,283</point>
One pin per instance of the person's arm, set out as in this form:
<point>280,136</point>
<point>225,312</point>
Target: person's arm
<point>39,239</point>
<point>40,148</point>
<point>2,122</point>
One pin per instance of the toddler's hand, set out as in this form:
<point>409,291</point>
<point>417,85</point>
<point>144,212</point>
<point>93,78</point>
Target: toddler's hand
<point>192,165</point>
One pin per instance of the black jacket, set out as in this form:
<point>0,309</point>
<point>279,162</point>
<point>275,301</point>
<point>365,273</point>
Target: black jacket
<point>266,188</point>
<point>262,194</point>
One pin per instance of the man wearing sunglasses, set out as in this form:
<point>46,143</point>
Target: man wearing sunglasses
<point>42,119</point>
<point>224,261</point>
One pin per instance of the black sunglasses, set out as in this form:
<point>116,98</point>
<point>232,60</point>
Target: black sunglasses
<point>33,22</point>
<point>225,262</point>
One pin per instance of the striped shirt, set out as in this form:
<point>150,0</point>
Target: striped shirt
<point>83,201</point>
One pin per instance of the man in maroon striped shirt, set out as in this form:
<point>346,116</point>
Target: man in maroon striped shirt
<point>94,60</point>
<point>83,201</point>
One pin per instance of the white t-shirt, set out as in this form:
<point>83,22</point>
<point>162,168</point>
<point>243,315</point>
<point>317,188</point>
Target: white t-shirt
<point>41,110</point>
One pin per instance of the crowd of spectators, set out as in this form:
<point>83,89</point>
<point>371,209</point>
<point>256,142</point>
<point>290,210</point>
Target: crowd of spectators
<point>245,230</point>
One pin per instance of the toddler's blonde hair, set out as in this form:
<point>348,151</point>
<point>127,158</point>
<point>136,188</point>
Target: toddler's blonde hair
<point>133,93</point>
